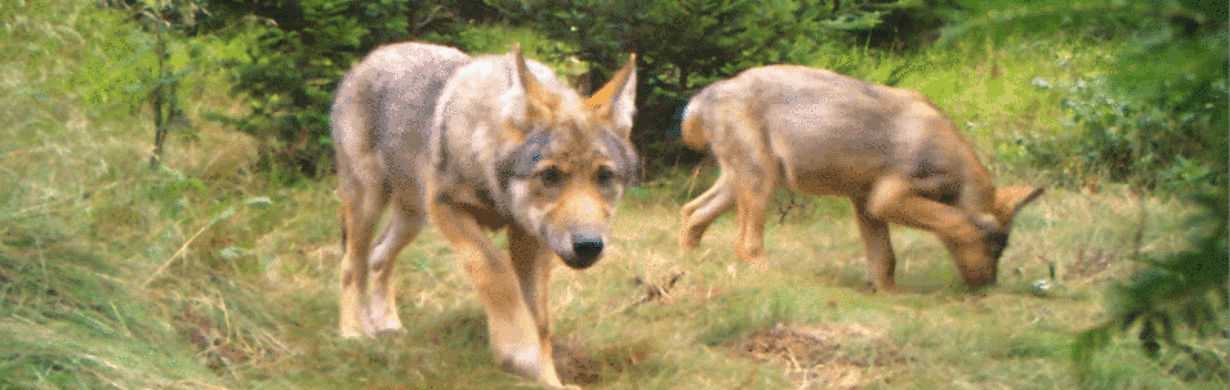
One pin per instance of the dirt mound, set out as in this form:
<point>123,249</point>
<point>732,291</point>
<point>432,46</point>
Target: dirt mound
<point>814,355</point>
<point>581,365</point>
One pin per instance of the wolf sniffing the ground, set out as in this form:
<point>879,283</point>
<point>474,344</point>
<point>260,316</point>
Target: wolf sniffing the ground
<point>891,151</point>
<point>492,142</point>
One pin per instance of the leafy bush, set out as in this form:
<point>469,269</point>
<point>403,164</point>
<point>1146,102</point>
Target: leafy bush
<point>1158,118</point>
<point>304,48</point>
<point>301,51</point>
<point>499,38</point>
<point>1154,144</point>
<point>293,76</point>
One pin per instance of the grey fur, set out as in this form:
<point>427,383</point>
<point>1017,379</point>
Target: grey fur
<point>476,143</point>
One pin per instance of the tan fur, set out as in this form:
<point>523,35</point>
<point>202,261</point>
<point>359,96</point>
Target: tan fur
<point>891,151</point>
<point>486,143</point>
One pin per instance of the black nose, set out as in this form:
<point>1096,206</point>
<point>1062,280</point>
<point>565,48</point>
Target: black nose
<point>587,248</point>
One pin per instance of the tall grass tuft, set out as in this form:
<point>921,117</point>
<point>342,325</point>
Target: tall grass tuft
<point>86,225</point>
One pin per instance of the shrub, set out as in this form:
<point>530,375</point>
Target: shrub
<point>304,48</point>
<point>1148,143</point>
<point>301,51</point>
<point>1158,118</point>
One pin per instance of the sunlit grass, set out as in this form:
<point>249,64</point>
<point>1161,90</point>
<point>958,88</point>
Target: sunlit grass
<point>201,275</point>
<point>1010,336</point>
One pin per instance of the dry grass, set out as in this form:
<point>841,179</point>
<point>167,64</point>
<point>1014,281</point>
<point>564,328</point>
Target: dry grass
<point>201,275</point>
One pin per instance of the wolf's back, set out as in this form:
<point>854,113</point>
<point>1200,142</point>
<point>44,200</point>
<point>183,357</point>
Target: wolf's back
<point>386,101</point>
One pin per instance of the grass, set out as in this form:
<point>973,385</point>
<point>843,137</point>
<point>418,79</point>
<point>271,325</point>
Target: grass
<point>201,275</point>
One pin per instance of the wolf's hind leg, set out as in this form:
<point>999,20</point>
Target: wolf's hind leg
<point>363,200</point>
<point>699,214</point>
<point>405,223</point>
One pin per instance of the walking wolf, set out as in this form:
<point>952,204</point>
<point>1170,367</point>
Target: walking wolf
<point>889,150</point>
<point>493,142</point>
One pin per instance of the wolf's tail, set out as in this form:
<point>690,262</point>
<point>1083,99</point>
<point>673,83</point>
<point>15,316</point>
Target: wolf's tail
<point>692,128</point>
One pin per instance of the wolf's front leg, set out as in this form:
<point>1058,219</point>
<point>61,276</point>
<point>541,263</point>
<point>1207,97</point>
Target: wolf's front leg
<point>533,261</point>
<point>881,263</point>
<point>512,328</point>
<point>891,199</point>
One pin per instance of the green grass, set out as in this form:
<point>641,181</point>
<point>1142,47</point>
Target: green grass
<point>202,275</point>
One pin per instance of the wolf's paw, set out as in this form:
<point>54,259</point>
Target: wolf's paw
<point>387,324</point>
<point>689,237</point>
<point>390,329</point>
<point>356,325</point>
<point>758,263</point>
<point>530,363</point>
<point>355,332</point>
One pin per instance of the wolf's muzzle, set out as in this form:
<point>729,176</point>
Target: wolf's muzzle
<point>587,249</point>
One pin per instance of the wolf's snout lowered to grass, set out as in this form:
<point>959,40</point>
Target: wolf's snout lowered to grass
<point>889,150</point>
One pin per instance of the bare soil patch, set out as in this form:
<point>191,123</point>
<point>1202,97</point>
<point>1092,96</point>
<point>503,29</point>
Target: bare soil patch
<point>815,356</point>
<point>578,364</point>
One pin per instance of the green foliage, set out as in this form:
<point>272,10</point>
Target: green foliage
<point>300,53</point>
<point>155,57</point>
<point>1121,137</point>
<point>69,316</point>
<point>113,275</point>
<point>1157,118</point>
<point>684,45</point>
<point>479,39</point>
<point>1187,289</point>
<point>148,74</point>
<point>123,80</point>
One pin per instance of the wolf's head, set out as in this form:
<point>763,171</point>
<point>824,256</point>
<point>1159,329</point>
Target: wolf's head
<point>978,258</point>
<point>573,162</point>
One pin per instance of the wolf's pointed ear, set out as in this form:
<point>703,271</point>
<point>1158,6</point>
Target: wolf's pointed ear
<point>526,100</point>
<point>1009,201</point>
<point>616,101</point>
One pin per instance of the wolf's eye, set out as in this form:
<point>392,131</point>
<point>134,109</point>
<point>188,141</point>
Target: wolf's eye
<point>604,176</point>
<point>550,176</point>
